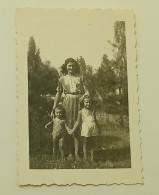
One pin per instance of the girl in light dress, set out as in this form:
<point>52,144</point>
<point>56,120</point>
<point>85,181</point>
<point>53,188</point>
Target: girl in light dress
<point>90,127</point>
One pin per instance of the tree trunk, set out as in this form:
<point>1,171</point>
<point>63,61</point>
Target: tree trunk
<point>121,109</point>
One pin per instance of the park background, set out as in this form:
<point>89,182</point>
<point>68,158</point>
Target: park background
<point>104,71</point>
<point>147,31</point>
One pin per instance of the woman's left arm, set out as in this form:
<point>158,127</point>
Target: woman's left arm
<point>78,122</point>
<point>66,127</point>
<point>96,121</point>
<point>85,90</point>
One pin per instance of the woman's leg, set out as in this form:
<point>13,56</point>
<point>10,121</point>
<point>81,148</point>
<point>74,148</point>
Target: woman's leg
<point>70,147</point>
<point>71,105</point>
<point>77,140</point>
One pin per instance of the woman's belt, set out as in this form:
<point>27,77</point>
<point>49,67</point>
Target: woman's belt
<point>72,93</point>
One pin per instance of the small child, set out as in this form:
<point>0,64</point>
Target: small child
<point>90,127</point>
<point>59,132</point>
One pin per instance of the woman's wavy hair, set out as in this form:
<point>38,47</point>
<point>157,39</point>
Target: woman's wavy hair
<point>64,66</point>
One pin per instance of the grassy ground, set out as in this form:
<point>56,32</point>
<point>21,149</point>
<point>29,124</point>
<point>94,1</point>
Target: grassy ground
<point>113,152</point>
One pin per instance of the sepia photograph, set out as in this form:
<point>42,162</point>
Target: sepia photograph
<point>77,89</point>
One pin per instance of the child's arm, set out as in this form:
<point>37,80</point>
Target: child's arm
<point>46,126</point>
<point>78,122</point>
<point>67,128</point>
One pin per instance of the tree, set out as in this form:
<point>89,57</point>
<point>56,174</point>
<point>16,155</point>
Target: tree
<point>120,65</point>
<point>42,80</point>
<point>105,80</point>
<point>31,54</point>
<point>34,65</point>
<point>87,74</point>
<point>82,64</point>
<point>49,79</point>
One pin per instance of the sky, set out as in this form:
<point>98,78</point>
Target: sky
<point>62,34</point>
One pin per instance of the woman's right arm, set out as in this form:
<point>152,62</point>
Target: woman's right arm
<point>58,94</point>
<point>78,122</point>
<point>57,99</point>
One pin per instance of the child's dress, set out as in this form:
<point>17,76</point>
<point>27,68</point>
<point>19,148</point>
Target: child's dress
<point>59,130</point>
<point>89,126</point>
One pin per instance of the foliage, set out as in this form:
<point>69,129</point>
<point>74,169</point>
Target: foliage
<point>105,81</point>
<point>120,61</point>
<point>120,65</point>
<point>88,76</point>
<point>108,86</point>
<point>42,80</point>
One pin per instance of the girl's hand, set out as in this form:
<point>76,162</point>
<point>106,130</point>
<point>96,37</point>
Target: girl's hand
<point>45,126</point>
<point>70,131</point>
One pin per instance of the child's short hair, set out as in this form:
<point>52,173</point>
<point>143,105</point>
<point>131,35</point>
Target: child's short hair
<point>87,97</point>
<point>82,102</point>
<point>60,108</point>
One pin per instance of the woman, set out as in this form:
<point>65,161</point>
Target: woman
<point>71,85</point>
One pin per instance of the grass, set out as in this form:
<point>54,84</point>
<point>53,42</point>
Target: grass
<point>112,152</point>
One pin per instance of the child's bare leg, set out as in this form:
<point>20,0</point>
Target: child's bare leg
<point>92,154</point>
<point>61,148</point>
<point>76,140</point>
<point>85,148</point>
<point>55,148</point>
<point>92,145</point>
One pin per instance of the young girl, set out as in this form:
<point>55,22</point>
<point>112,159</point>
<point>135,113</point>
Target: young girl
<point>59,132</point>
<point>90,127</point>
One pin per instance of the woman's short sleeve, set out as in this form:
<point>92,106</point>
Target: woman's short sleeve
<point>59,87</point>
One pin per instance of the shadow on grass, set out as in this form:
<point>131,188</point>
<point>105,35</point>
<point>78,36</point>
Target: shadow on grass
<point>108,140</point>
<point>111,152</point>
<point>113,155</point>
<point>115,149</point>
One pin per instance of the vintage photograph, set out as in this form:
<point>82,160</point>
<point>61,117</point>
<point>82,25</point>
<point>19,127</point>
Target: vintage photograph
<point>77,89</point>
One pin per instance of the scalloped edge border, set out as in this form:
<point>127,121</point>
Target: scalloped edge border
<point>17,97</point>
